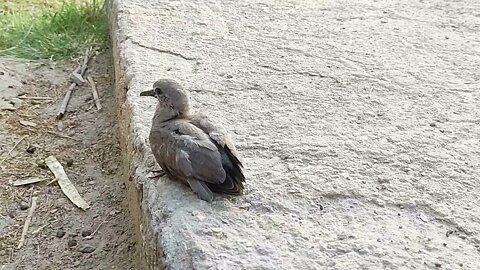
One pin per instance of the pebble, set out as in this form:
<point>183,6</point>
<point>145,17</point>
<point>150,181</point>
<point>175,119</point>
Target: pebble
<point>87,249</point>
<point>72,243</point>
<point>60,233</point>
<point>42,165</point>
<point>31,149</point>
<point>60,126</point>
<point>69,162</point>
<point>86,232</point>
<point>24,206</point>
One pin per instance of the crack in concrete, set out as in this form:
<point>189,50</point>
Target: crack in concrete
<point>303,73</point>
<point>161,50</point>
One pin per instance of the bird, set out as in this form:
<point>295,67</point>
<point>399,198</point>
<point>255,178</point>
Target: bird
<point>191,148</point>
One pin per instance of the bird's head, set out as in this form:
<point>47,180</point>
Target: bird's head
<point>171,96</point>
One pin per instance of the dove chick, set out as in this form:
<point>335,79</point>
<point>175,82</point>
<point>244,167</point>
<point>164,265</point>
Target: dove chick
<point>191,148</point>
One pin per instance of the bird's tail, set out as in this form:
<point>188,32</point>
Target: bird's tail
<point>201,189</point>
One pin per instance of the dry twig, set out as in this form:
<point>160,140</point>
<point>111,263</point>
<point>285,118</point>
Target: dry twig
<point>39,229</point>
<point>62,135</point>
<point>96,229</point>
<point>95,93</point>
<point>15,146</point>
<point>27,222</point>
<point>27,181</point>
<point>70,89</point>
<point>35,98</point>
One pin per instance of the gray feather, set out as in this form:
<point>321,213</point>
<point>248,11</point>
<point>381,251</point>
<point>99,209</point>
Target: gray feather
<point>201,189</point>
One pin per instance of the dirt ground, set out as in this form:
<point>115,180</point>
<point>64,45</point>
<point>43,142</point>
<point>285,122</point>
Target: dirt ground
<point>61,236</point>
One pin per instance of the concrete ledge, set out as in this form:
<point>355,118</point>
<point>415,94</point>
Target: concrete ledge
<point>358,123</point>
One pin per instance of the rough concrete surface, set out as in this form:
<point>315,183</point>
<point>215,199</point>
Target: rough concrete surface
<point>358,122</point>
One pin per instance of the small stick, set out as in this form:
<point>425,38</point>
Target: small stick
<point>62,135</point>
<point>95,93</point>
<point>65,101</point>
<point>35,98</point>
<point>96,230</point>
<point>27,181</point>
<point>27,222</point>
<point>9,152</point>
<point>51,182</point>
<point>85,61</point>
<point>70,89</point>
<point>39,229</point>
<point>76,77</point>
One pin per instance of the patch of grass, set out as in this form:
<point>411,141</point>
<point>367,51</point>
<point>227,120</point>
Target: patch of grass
<point>53,31</point>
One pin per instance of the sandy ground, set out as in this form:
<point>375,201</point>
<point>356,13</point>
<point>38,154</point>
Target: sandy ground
<point>61,236</point>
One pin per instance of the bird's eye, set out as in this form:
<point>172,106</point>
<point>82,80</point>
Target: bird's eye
<point>158,91</point>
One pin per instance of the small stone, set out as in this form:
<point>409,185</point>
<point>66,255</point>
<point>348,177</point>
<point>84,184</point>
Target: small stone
<point>87,249</point>
<point>72,243</point>
<point>24,206</point>
<point>60,126</point>
<point>69,162</point>
<point>42,165</point>
<point>433,124</point>
<point>60,233</point>
<point>10,86</point>
<point>86,232</point>
<point>229,76</point>
<point>438,265</point>
<point>31,149</point>
<point>2,73</point>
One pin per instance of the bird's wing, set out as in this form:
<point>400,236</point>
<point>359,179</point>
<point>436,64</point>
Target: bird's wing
<point>231,160</point>
<point>218,134</point>
<point>186,152</point>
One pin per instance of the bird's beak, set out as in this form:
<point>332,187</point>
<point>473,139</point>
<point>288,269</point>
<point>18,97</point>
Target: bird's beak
<point>149,93</point>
